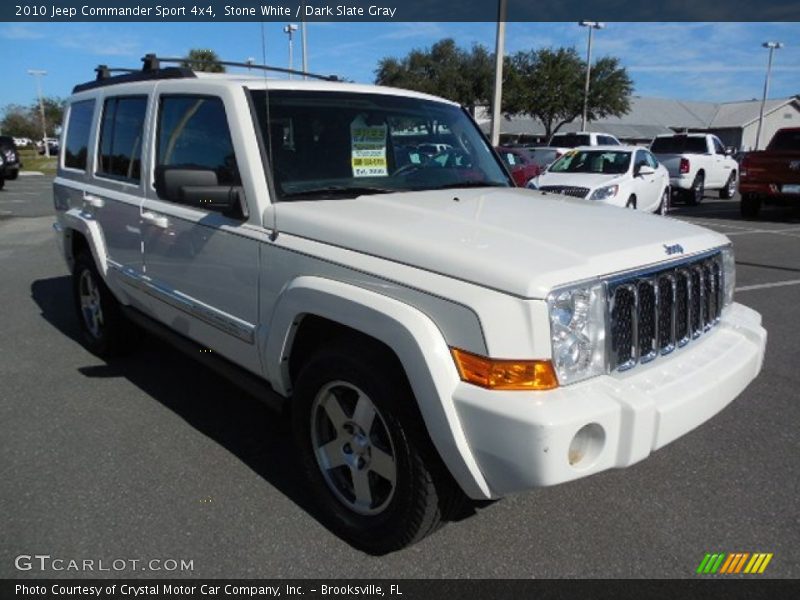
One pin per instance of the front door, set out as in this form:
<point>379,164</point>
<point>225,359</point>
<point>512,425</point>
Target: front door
<point>201,265</point>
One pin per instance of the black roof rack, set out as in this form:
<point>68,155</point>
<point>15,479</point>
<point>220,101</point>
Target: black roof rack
<point>151,69</point>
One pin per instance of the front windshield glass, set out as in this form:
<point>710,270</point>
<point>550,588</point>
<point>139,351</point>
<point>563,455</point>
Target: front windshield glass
<point>339,144</point>
<point>592,161</point>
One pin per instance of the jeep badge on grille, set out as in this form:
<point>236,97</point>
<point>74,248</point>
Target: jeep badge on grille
<point>673,249</point>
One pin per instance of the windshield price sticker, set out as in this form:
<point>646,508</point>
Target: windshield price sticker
<point>368,150</point>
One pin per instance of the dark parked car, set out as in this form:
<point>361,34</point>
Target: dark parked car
<point>10,164</point>
<point>520,164</point>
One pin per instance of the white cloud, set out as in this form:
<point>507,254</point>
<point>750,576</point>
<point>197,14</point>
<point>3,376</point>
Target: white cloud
<point>20,32</point>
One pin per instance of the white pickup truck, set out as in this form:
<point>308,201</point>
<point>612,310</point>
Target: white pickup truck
<point>696,162</point>
<point>435,332</point>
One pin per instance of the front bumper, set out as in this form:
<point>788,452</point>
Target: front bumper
<point>522,440</point>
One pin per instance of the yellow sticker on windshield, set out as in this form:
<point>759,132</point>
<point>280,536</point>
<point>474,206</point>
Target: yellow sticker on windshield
<point>368,149</point>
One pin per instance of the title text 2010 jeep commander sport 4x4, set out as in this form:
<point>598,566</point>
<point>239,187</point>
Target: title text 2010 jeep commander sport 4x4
<point>434,331</point>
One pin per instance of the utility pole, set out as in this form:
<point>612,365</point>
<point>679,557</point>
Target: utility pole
<point>38,73</point>
<point>592,25</point>
<point>772,46</point>
<point>499,50</point>
<point>289,30</point>
<point>304,36</point>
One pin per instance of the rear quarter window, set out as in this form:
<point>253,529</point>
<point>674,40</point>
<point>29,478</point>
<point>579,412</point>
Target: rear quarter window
<point>76,147</point>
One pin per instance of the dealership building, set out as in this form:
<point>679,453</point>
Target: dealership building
<point>735,123</point>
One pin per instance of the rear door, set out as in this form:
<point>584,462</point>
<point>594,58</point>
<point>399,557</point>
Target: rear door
<point>202,265</point>
<point>101,172</point>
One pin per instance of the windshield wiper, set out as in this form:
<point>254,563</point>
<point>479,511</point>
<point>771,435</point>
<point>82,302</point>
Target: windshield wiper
<point>338,191</point>
<point>468,184</point>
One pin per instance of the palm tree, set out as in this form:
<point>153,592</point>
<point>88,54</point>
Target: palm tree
<point>203,59</point>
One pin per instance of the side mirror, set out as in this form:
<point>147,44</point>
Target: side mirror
<point>200,188</point>
<point>730,151</point>
<point>644,170</point>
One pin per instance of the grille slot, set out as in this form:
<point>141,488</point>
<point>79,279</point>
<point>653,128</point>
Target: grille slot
<point>566,190</point>
<point>653,313</point>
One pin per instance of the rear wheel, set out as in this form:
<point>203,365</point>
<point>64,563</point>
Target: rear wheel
<point>729,191</point>
<point>695,194</point>
<point>103,326</point>
<point>365,450</point>
<point>750,206</point>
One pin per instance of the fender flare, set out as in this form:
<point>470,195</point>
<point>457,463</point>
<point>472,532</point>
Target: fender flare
<point>412,335</point>
<point>76,220</point>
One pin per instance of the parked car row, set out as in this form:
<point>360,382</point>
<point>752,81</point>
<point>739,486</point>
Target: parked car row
<point>10,163</point>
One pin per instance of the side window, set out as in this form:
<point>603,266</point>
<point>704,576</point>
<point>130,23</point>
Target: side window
<point>193,133</point>
<point>76,148</point>
<point>641,159</point>
<point>718,147</point>
<point>121,138</point>
<point>651,160</point>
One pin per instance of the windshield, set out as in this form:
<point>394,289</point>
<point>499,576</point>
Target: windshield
<point>786,140</point>
<point>679,144</point>
<point>592,161</point>
<point>570,140</point>
<point>339,144</point>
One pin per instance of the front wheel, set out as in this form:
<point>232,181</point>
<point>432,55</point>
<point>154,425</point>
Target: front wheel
<point>663,205</point>
<point>631,203</point>
<point>365,449</point>
<point>729,191</point>
<point>2,182</point>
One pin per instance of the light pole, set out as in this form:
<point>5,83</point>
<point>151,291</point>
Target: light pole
<point>38,74</point>
<point>289,30</point>
<point>304,36</point>
<point>592,25</point>
<point>498,71</point>
<point>772,47</point>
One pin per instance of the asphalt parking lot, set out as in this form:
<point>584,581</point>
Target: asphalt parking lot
<point>150,457</point>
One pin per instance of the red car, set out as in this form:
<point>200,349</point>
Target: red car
<point>771,176</point>
<point>520,164</point>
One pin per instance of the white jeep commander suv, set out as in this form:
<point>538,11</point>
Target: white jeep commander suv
<point>435,332</point>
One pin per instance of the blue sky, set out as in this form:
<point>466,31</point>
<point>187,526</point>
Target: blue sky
<point>693,61</point>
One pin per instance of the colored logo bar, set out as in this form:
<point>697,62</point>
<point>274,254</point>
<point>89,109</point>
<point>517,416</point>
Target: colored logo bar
<point>731,563</point>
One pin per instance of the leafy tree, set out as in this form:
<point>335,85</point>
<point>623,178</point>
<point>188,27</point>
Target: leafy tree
<point>203,59</point>
<point>549,85</point>
<point>445,70</point>
<point>26,121</point>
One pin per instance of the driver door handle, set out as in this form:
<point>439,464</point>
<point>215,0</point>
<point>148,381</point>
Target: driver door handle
<point>93,201</point>
<point>157,220</point>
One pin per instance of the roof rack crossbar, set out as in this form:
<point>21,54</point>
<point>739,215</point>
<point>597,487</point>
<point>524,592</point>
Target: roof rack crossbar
<point>245,65</point>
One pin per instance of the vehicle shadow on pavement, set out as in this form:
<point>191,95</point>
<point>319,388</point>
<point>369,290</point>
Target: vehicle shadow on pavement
<point>239,422</point>
<point>250,430</point>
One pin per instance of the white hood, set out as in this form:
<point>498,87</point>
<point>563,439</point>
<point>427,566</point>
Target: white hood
<point>514,240</point>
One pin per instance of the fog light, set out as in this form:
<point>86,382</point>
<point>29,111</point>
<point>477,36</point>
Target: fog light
<point>586,445</point>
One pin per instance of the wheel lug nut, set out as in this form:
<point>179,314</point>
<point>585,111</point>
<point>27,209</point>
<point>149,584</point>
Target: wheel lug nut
<point>348,449</point>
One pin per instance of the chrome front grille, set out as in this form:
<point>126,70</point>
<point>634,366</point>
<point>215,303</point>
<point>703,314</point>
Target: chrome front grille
<point>654,312</point>
<point>566,190</point>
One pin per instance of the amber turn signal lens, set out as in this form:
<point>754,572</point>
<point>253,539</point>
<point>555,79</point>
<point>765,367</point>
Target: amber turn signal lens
<point>504,374</point>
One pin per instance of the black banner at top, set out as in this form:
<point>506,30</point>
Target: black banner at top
<point>396,10</point>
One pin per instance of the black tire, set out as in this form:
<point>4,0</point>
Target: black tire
<point>729,191</point>
<point>694,196</point>
<point>631,203</point>
<point>12,176</point>
<point>102,333</point>
<point>663,205</point>
<point>423,492</point>
<point>750,206</point>
<point>2,183</point>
